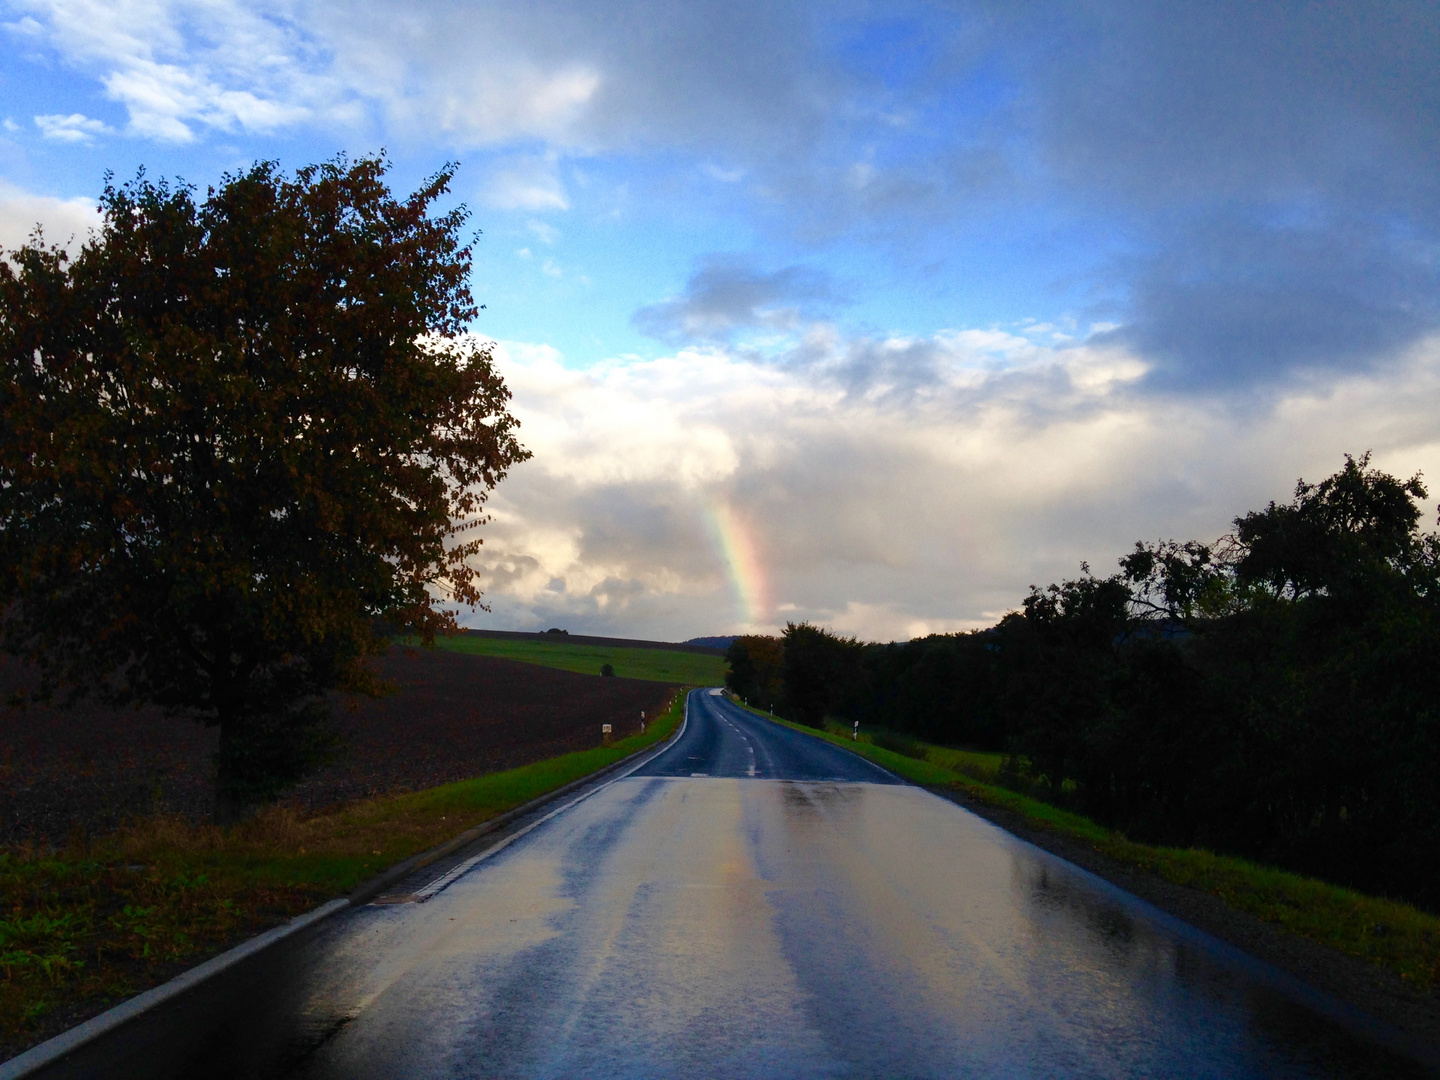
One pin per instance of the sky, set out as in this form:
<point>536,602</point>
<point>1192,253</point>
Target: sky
<point>869,315</point>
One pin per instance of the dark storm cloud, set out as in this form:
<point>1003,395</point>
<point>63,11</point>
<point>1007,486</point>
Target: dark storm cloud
<point>1236,303</point>
<point>726,295</point>
<point>1279,165</point>
<point>1260,182</point>
<point>1264,178</point>
<point>1150,103</point>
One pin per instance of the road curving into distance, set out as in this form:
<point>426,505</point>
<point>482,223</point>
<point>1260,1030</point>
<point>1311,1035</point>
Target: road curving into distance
<point>721,740</point>
<point>756,903</point>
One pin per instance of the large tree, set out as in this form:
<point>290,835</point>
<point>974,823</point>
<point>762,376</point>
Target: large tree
<point>241,440</point>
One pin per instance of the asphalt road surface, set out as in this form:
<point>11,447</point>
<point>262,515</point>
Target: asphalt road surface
<point>756,903</point>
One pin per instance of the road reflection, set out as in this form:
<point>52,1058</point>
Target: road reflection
<point>722,927</point>
<point>942,941</point>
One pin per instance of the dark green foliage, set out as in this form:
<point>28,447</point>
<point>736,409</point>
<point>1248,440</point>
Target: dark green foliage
<point>822,674</point>
<point>1057,660</point>
<point>1343,538</point>
<point>607,670</point>
<point>899,744</point>
<point>942,688</point>
<point>1273,695</point>
<point>740,674</point>
<point>754,670</point>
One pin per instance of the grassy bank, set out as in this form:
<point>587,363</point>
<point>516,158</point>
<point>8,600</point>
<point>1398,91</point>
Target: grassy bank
<point>86,927</point>
<point>1392,935</point>
<point>656,665</point>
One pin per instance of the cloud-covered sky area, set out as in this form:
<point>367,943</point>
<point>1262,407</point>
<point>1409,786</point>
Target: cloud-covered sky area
<point>872,315</point>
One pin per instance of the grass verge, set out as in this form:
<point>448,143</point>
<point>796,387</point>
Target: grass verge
<point>1392,935</point>
<point>655,665</point>
<point>86,927</point>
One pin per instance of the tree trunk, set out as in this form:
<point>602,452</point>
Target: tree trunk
<point>230,809</point>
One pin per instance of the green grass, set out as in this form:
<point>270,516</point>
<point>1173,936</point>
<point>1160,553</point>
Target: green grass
<point>83,928</point>
<point>982,765</point>
<point>1386,933</point>
<point>656,665</point>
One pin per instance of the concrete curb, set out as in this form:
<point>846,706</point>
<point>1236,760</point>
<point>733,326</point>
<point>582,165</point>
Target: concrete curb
<point>52,1050</point>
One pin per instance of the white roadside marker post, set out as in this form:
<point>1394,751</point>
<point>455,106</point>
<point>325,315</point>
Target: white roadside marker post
<point>605,734</point>
<point>642,721</point>
<point>855,735</point>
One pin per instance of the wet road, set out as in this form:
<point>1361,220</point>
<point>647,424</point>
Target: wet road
<point>722,740</point>
<point>755,903</point>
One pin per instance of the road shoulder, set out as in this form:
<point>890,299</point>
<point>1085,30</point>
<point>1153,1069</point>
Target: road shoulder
<point>1374,990</point>
<point>1379,991</point>
<point>81,1019</point>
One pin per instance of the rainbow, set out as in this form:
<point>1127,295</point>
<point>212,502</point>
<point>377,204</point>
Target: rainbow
<point>735,543</point>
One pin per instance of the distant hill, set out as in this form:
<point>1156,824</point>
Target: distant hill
<point>712,642</point>
<point>657,661</point>
<point>556,636</point>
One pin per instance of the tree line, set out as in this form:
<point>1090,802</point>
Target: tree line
<point>1272,694</point>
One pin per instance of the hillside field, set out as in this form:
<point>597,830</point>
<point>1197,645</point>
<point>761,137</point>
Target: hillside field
<point>655,665</point>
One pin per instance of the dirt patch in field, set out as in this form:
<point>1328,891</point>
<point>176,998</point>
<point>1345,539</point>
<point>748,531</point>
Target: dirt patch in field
<point>83,770</point>
<point>455,715</point>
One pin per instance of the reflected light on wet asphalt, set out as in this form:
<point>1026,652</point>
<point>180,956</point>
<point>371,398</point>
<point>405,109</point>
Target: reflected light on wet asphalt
<point>818,920</point>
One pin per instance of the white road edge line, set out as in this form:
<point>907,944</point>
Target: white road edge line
<point>461,869</point>
<point>52,1050</point>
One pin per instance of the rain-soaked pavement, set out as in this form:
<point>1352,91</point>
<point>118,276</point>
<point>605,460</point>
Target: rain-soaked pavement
<point>756,903</point>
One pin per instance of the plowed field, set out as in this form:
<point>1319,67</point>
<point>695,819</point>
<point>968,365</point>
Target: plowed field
<point>87,768</point>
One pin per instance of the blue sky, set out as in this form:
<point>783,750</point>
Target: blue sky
<point>931,301</point>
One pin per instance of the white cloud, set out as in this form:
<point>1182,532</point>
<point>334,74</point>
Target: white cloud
<point>65,221</point>
<point>571,76</point>
<point>889,514</point>
<point>725,176</point>
<point>180,68</point>
<point>527,183</point>
<point>76,127</point>
<point>176,67</point>
<point>885,622</point>
<point>515,101</point>
<point>582,77</point>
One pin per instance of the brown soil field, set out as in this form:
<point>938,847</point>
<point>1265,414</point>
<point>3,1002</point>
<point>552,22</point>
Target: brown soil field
<point>78,771</point>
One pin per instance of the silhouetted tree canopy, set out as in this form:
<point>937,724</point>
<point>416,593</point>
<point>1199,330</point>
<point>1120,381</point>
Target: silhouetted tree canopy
<point>821,673</point>
<point>1273,694</point>
<point>754,671</point>
<point>237,436</point>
